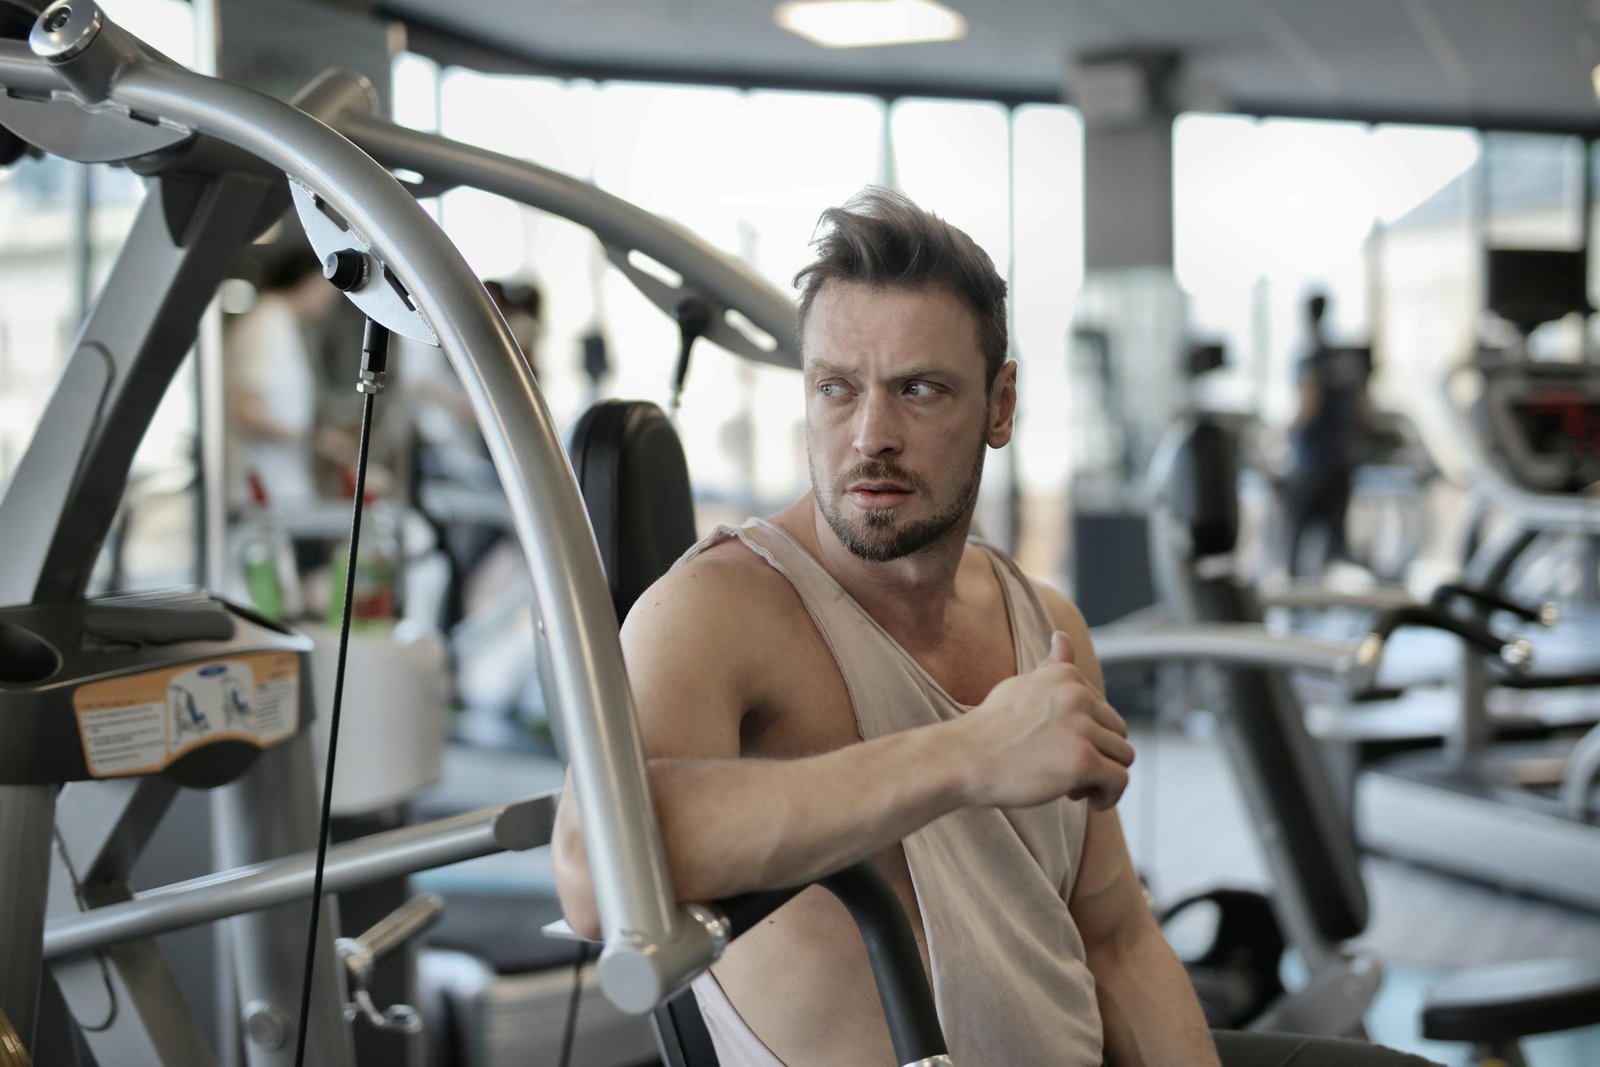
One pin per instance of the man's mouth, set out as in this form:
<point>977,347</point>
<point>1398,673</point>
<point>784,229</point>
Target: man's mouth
<point>873,495</point>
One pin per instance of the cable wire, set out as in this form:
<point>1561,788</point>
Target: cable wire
<point>569,1035</point>
<point>333,729</point>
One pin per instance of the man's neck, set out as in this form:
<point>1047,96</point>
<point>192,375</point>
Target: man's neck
<point>910,597</point>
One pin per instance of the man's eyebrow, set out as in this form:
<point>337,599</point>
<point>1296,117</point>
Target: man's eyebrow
<point>828,369</point>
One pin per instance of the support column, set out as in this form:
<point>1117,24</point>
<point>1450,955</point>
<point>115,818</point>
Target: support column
<point>26,815</point>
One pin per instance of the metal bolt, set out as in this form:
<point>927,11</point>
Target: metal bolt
<point>266,1024</point>
<point>58,19</point>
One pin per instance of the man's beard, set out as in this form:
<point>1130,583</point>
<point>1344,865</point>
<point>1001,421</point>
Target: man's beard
<point>874,537</point>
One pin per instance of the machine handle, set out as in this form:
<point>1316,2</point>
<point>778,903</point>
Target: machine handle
<point>406,921</point>
<point>891,948</point>
<point>1546,615</point>
<point>1515,652</point>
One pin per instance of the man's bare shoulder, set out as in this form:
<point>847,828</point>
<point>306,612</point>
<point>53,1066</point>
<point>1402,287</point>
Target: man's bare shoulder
<point>1066,617</point>
<point>726,580</point>
<point>726,602</point>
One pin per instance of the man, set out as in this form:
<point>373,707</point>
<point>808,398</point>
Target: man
<point>856,679</point>
<point>1327,436</point>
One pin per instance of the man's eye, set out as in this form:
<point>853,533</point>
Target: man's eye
<point>830,389</point>
<point>919,389</point>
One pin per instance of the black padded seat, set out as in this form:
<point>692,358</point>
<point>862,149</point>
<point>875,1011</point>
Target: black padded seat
<point>635,482</point>
<point>504,930</point>
<point>1499,1004</point>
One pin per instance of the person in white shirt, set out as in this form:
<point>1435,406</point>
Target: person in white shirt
<point>272,384</point>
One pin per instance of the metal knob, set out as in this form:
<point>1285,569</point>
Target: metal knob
<point>65,29</point>
<point>1518,653</point>
<point>347,269</point>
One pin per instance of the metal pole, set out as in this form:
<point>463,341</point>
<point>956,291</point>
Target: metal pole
<point>268,813</point>
<point>27,813</point>
<point>513,827</point>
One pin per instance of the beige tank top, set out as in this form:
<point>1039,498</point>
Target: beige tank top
<point>1009,977</point>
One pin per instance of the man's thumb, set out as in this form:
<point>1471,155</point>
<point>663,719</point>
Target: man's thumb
<point>1061,648</point>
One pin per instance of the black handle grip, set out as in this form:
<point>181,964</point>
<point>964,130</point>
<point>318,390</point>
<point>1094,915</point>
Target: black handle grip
<point>891,948</point>
<point>1485,598</point>
<point>1513,651</point>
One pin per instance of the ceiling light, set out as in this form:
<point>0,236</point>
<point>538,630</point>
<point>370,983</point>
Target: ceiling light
<point>863,23</point>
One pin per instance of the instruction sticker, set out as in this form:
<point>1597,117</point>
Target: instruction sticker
<point>141,723</point>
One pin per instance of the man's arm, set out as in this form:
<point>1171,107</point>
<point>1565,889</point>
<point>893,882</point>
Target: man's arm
<point>1148,1009</point>
<point>702,650</point>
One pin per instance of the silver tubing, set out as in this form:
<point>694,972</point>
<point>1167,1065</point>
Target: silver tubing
<point>933,1061</point>
<point>22,71</point>
<point>1582,779</point>
<point>1235,643</point>
<point>650,947</point>
<point>26,815</point>
<point>511,827</point>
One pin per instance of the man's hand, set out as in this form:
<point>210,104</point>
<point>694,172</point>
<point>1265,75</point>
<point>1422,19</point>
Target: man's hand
<point>1046,734</point>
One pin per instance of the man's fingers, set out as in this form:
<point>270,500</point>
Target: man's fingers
<point>1061,648</point>
<point>1113,746</point>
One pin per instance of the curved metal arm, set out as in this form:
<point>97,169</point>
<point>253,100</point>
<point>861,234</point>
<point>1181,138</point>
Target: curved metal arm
<point>652,946</point>
<point>1546,615</point>
<point>622,227</point>
<point>891,948</point>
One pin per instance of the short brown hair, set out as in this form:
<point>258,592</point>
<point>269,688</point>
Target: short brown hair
<point>879,237</point>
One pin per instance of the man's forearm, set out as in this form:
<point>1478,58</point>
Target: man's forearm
<point>735,825</point>
<point>1148,1008</point>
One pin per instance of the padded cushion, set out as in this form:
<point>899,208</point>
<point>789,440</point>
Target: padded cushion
<point>1284,758</point>
<point>1203,493</point>
<point>505,930</point>
<point>635,483</point>
<point>685,1040</point>
<point>1505,1002</point>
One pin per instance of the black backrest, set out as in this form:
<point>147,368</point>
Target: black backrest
<point>1269,732</point>
<point>1202,493</point>
<point>635,483</point>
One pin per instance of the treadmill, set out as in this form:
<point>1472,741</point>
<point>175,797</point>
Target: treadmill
<point>1524,815</point>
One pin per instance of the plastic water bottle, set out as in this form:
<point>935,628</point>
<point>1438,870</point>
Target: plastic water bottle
<point>271,577</point>
<point>373,602</point>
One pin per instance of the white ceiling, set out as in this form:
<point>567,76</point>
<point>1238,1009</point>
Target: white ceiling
<point>1493,62</point>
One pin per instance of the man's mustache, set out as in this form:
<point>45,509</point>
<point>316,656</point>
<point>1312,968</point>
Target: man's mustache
<point>878,470</point>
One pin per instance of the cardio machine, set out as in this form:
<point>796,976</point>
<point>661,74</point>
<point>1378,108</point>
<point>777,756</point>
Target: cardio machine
<point>1305,835</point>
<point>1524,814</point>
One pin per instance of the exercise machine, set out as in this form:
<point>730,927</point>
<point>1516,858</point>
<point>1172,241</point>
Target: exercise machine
<point>217,154</point>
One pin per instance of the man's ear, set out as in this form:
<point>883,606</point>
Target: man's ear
<point>1003,406</point>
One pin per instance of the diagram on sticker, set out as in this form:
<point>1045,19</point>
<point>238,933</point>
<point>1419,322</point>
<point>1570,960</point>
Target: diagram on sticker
<point>215,698</point>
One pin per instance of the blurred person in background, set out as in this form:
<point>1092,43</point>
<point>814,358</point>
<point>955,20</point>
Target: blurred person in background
<point>1326,441</point>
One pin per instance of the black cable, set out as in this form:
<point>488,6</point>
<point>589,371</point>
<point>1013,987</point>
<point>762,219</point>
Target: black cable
<point>374,349</point>
<point>570,1034</point>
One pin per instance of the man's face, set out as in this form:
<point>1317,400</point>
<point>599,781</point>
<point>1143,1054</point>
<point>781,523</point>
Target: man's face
<point>898,415</point>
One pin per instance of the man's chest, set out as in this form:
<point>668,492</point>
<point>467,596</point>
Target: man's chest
<point>807,705</point>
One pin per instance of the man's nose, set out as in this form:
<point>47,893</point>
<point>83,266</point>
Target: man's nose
<point>878,427</point>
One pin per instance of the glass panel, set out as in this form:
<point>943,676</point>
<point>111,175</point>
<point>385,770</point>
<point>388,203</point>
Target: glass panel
<point>1534,190</point>
<point>1048,183</point>
<point>41,227</point>
<point>1430,270</point>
